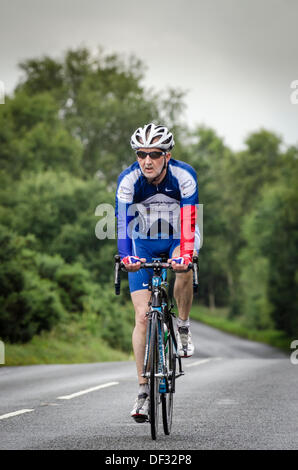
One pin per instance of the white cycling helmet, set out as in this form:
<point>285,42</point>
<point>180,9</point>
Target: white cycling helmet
<point>151,136</point>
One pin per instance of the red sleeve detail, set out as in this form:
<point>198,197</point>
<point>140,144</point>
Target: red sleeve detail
<point>188,216</point>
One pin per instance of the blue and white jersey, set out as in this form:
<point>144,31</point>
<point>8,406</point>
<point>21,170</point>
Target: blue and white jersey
<point>149,211</point>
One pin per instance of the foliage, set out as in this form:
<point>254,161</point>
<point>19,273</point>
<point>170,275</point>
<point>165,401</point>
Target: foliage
<point>29,303</point>
<point>272,236</point>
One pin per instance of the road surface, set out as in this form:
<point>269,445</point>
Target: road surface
<point>236,394</point>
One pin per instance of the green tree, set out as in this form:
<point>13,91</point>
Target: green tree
<point>208,154</point>
<point>271,233</point>
<point>34,138</point>
<point>101,101</point>
<point>28,303</point>
<point>246,173</point>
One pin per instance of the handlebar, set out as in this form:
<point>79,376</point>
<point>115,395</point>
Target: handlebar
<point>158,265</point>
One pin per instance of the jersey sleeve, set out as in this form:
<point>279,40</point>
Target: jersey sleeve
<point>124,199</point>
<point>189,192</point>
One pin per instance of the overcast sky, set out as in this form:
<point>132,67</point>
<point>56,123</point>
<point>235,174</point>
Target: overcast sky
<point>236,58</point>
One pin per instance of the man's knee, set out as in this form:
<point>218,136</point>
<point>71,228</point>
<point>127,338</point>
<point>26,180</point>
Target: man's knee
<point>184,280</point>
<point>141,318</point>
<point>140,303</point>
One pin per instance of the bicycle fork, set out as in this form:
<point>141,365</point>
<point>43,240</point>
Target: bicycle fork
<point>162,373</point>
<point>161,349</point>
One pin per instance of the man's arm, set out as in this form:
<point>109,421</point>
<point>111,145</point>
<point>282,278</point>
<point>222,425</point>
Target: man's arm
<point>124,241</point>
<point>188,216</point>
<point>189,191</point>
<point>124,200</point>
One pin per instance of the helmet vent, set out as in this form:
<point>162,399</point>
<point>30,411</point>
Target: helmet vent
<point>155,138</point>
<point>148,131</point>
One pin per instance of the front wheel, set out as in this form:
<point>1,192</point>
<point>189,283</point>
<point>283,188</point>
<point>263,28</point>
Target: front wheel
<point>154,381</point>
<point>167,399</point>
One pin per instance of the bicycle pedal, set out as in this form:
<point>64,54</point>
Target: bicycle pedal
<point>179,374</point>
<point>140,419</point>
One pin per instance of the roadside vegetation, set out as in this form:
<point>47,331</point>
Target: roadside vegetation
<point>219,318</point>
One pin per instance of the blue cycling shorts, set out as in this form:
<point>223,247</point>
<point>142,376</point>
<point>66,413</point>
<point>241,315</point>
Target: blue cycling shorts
<point>149,249</point>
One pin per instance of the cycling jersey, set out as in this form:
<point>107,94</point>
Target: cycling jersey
<point>157,212</point>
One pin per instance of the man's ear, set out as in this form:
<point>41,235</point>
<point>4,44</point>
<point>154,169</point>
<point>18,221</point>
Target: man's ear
<point>168,156</point>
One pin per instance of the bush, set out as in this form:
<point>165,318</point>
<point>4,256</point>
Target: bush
<point>117,322</point>
<point>73,283</point>
<point>28,302</point>
<point>35,308</point>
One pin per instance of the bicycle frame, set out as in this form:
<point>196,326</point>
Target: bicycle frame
<point>157,309</point>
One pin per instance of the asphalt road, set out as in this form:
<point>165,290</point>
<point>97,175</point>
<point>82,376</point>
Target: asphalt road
<point>235,394</point>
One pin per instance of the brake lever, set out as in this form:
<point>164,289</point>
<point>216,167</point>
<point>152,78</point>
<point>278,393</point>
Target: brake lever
<point>117,275</point>
<point>195,274</point>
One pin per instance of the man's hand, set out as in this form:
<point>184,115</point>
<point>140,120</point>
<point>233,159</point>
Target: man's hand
<point>133,263</point>
<point>181,263</point>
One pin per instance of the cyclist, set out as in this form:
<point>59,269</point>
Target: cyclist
<point>156,202</point>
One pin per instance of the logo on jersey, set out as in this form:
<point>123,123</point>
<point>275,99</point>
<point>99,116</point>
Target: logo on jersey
<point>125,194</point>
<point>188,188</point>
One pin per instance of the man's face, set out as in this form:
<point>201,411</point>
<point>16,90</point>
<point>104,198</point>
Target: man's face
<point>152,168</point>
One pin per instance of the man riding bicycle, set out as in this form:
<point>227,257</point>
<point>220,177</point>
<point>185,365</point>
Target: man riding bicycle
<point>156,201</point>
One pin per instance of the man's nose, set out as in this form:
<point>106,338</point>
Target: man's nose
<point>148,160</point>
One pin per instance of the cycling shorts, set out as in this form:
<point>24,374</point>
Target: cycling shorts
<point>149,249</point>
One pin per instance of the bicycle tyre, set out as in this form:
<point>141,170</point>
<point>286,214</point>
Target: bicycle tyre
<point>154,381</point>
<point>167,399</point>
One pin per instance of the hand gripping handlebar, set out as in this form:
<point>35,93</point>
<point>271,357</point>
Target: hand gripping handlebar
<point>119,266</point>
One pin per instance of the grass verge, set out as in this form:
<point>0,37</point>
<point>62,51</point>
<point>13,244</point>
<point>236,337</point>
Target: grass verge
<point>217,318</point>
<point>68,343</point>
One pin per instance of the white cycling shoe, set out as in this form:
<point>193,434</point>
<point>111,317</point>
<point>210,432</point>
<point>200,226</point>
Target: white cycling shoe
<point>184,342</point>
<point>140,411</point>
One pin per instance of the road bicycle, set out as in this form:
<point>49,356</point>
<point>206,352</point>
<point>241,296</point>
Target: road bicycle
<point>161,355</point>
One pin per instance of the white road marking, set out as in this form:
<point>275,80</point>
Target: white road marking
<point>226,401</point>
<point>77,394</point>
<point>15,413</point>
<point>203,361</point>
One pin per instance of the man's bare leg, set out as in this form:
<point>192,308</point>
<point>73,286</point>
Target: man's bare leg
<point>183,290</point>
<point>140,299</point>
<point>183,293</point>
